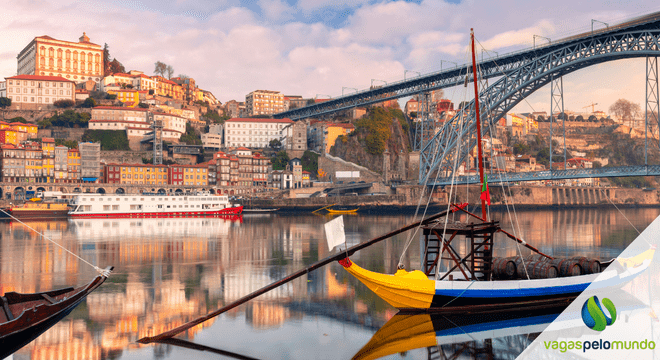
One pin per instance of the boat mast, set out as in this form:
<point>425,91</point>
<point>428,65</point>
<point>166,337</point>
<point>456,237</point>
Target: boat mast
<point>476,109</point>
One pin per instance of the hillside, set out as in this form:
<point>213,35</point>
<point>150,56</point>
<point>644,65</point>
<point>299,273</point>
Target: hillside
<point>380,131</point>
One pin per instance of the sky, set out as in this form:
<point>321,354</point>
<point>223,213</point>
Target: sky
<point>321,48</point>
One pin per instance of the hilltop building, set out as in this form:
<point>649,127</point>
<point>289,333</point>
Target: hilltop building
<point>75,61</point>
<point>256,133</point>
<point>264,102</point>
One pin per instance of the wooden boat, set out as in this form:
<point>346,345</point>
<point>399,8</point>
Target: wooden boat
<point>471,280</point>
<point>405,332</point>
<point>38,210</point>
<point>23,317</point>
<point>342,210</point>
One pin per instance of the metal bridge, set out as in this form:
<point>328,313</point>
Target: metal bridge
<point>520,74</point>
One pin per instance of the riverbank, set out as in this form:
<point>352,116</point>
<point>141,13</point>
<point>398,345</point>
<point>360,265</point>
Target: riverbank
<point>523,197</point>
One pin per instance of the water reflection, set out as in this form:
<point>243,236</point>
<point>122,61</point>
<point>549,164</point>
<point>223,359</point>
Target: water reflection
<point>170,271</point>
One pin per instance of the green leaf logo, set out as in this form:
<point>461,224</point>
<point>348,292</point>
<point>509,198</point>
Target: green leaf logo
<point>594,316</point>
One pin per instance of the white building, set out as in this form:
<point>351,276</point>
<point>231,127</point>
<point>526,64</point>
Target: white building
<point>39,90</point>
<point>134,121</point>
<point>256,133</point>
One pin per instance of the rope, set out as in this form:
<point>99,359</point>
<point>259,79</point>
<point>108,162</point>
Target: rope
<point>98,269</point>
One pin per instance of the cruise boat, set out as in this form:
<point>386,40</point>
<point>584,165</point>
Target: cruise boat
<point>141,206</point>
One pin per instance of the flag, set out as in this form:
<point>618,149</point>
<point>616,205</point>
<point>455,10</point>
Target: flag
<point>485,194</point>
<point>334,232</point>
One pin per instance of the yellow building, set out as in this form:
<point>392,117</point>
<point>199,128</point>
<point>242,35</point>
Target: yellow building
<point>48,158</point>
<point>195,175</point>
<point>130,98</point>
<point>143,174</point>
<point>73,165</point>
<point>33,162</point>
<point>30,129</point>
<point>76,61</point>
<point>333,131</point>
<point>8,136</point>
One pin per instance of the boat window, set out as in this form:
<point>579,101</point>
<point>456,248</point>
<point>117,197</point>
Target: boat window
<point>118,199</point>
<point>160,206</point>
<point>141,199</point>
<point>186,205</point>
<point>168,206</point>
<point>134,199</point>
<point>153,199</point>
<point>100,199</point>
<point>91,199</point>
<point>115,207</point>
<point>106,207</point>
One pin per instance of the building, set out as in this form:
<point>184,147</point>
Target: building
<point>298,138</point>
<point>90,161</point>
<point>134,121</point>
<point>12,160</point>
<point>213,139</point>
<point>73,165</point>
<point>255,133</point>
<point>264,102</point>
<point>136,174</point>
<point>412,106</point>
<point>74,61</point>
<point>34,91</point>
<point>321,136</point>
<point>61,172</point>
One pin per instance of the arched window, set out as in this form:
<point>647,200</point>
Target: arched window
<point>68,64</point>
<point>51,62</point>
<point>43,61</point>
<point>59,63</point>
<point>68,54</point>
<point>51,52</point>
<point>89,57</point>
<point>97,58</point>
<point>75,56</point>
<point>43,51</point>
<point>59,53</point>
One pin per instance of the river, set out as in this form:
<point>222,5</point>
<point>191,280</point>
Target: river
<point>169,271</point>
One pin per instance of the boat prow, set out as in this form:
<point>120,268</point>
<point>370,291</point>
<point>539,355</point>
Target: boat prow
<point>23,317</point>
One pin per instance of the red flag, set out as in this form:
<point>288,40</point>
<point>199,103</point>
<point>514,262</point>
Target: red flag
<point>485,194</point>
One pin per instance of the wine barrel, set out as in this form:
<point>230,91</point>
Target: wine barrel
<point>589,266</point>
<point>504,268</point>
<point>567,267</point>
<point>537,270</point>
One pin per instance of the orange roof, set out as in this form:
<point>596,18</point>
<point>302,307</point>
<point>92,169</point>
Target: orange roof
<point>48,140</point>
<point>39,77</point>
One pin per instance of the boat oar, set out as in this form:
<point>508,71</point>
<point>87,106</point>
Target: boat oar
<point>297,274</point>
<point>323,208</point>
<point>521,241</point>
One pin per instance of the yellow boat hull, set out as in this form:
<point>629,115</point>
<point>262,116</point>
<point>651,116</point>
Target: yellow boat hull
<point>402,290</point>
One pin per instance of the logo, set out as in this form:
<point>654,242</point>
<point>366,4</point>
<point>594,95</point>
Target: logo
<point>594,316</point>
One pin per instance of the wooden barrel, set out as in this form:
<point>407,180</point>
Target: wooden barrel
<point>588,265</point>
<point>537,270</point>
<point>504,268</point>
<point>567,267</point>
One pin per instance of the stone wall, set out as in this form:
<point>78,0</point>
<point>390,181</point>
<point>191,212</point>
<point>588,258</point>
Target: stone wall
<point>331,165</point>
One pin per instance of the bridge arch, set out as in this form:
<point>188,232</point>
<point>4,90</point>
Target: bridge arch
<point>100,191</point>
<point>438,156</point>
<point>120,191</point>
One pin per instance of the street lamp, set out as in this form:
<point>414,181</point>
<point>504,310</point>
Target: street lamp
<point>598,21</point>
<point>372,82</point>
<point>407,71</point>
<point>540,37</point>
<point>344,87</point>
<point>441,61</point>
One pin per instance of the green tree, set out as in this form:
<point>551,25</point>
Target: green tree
<point>5,102</point>
<point>310,162</point>
<point>19,119</point>
<point>116,67</point>
<point>88,103</point>
<point>280,160</point>
<point>109,139</point>
<point>190,137</point>
<point>71,144</point>
<point>64,103</point>
<point>111,97</point>
<point>143,105</point>
<point>275,144</point>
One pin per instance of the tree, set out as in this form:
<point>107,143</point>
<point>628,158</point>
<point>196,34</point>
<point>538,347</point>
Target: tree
<point>275,144</point>
<point>111,96</point>
<point>106,60</point>
<point>19,119</point>
<point>116,67</point>
<point>64,103</point>
<point>170,71</point>
<point>5,102</point>
<point>625,110</point>
<point>183,76</point>
<point>310,162</point>
<point>143,105</point>
<point>280,160</point>
<point>88,103</point>
<point>160,68</point>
